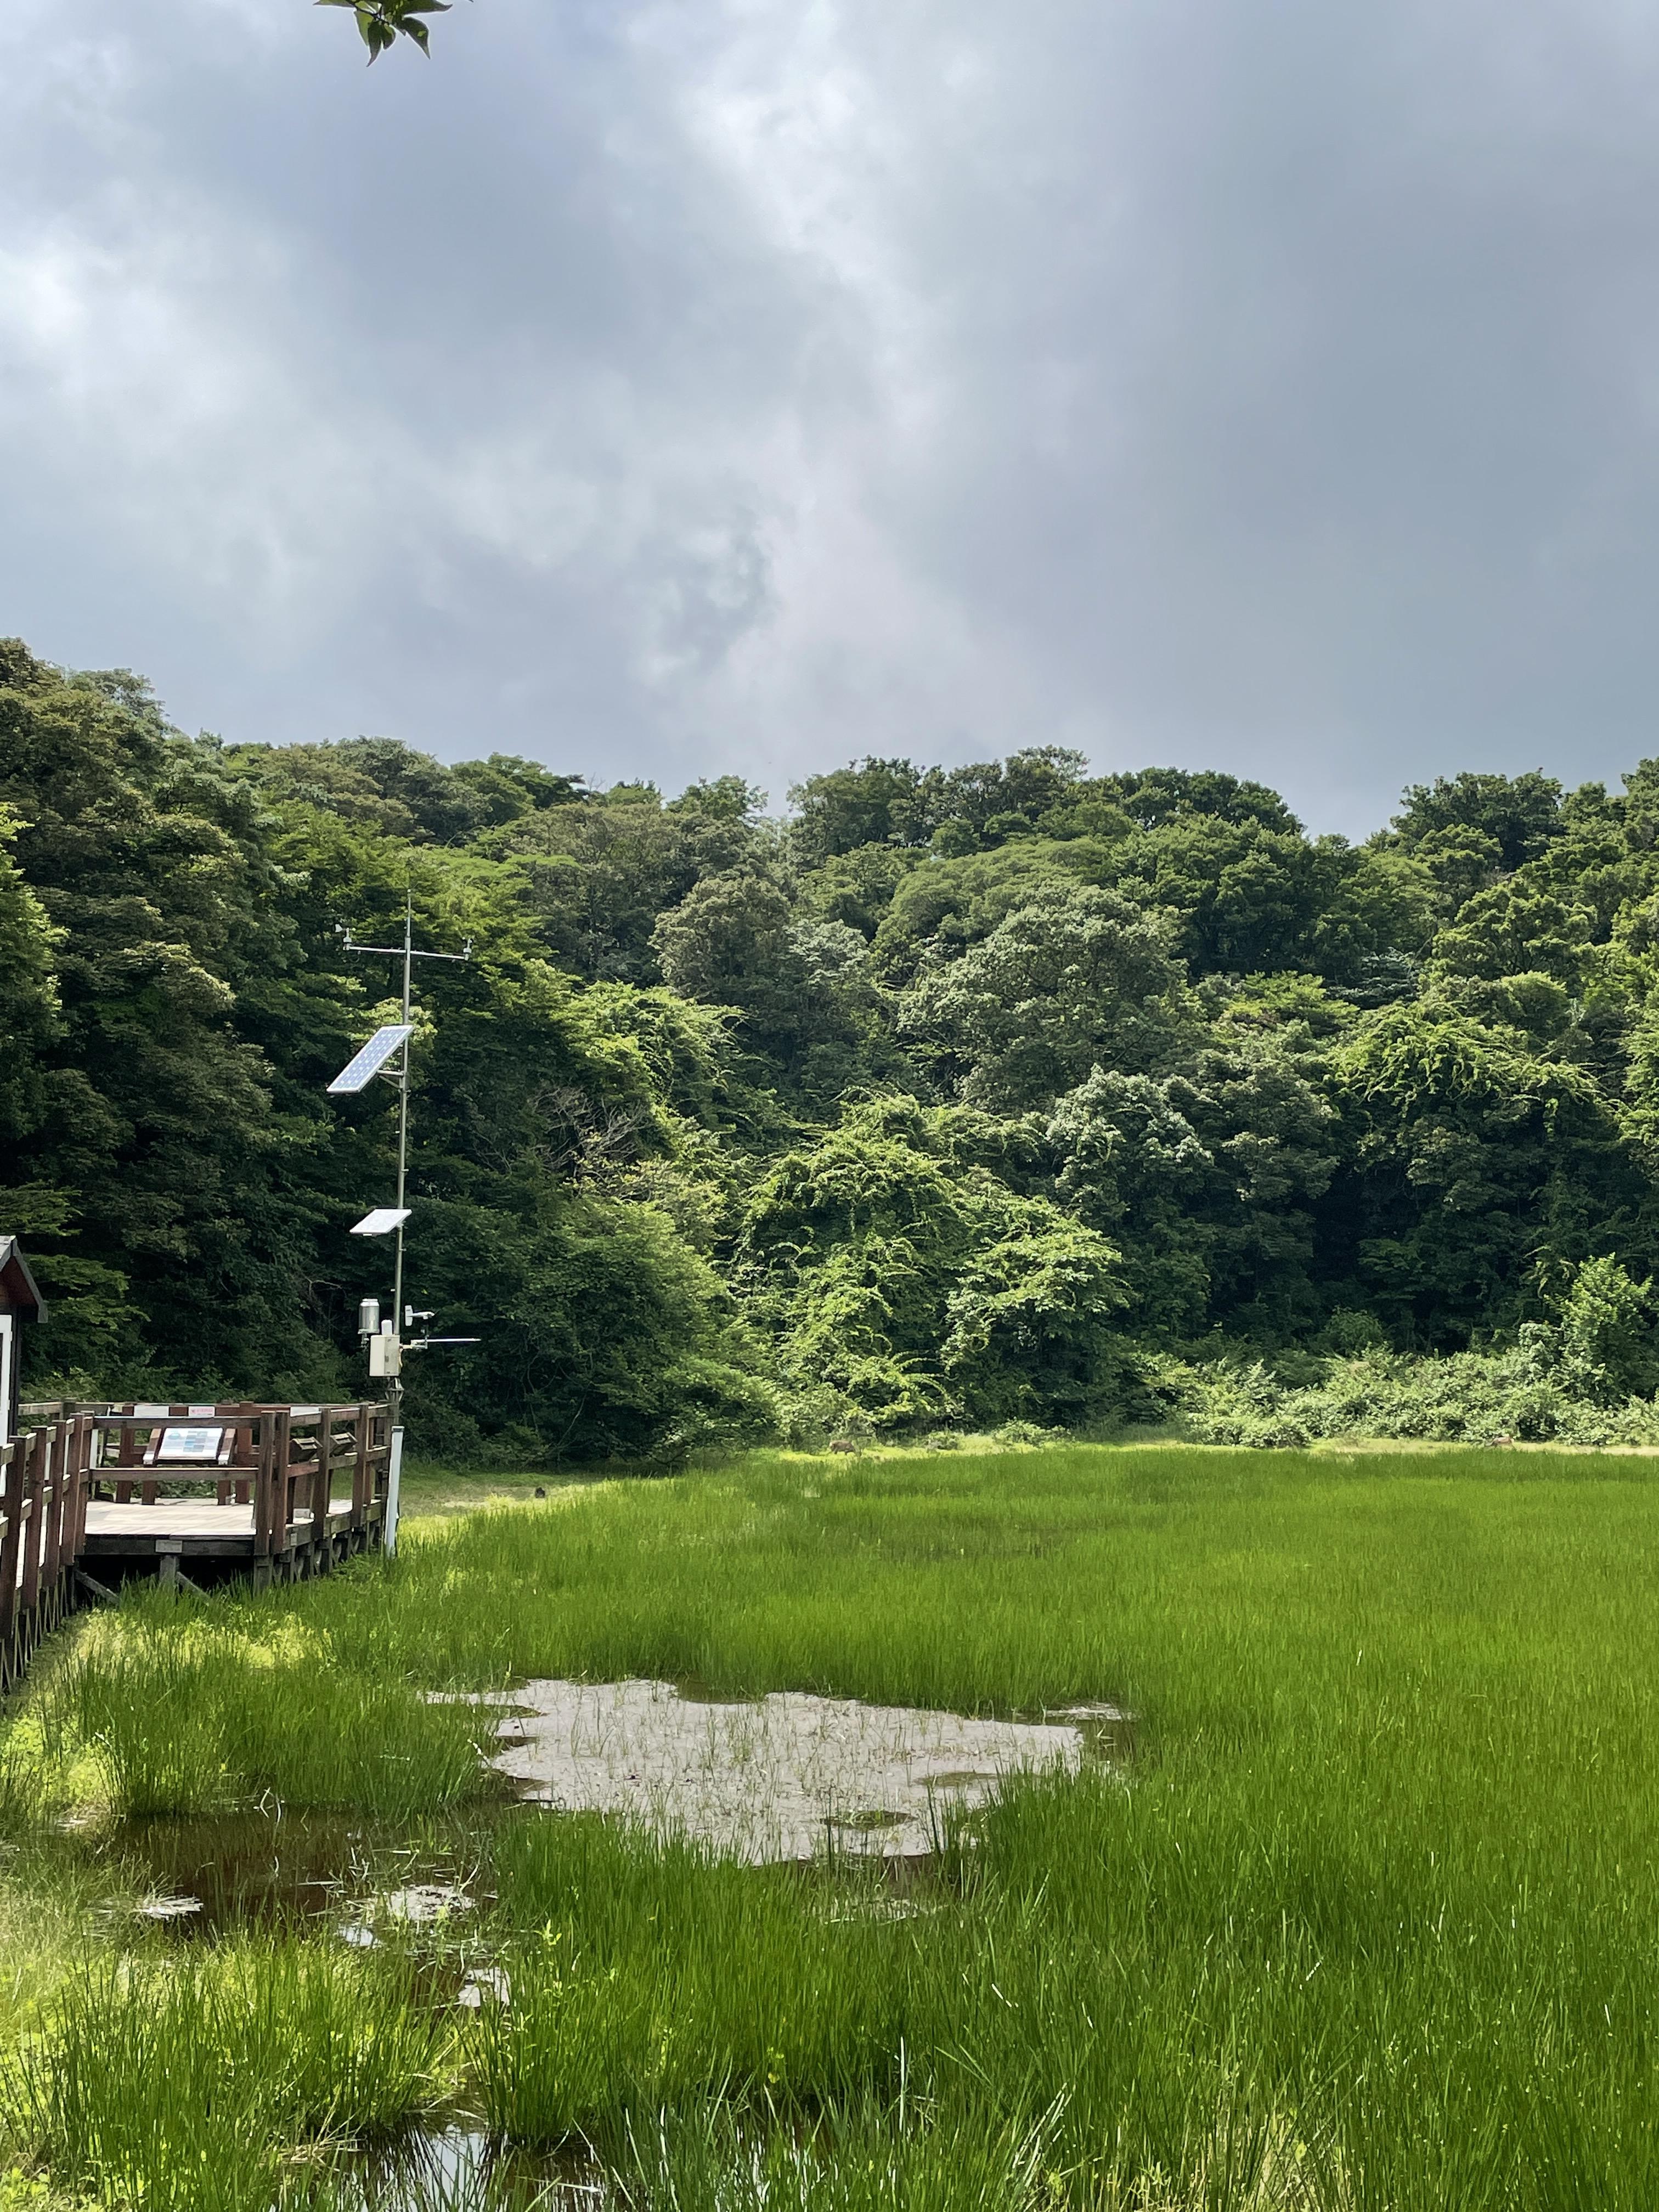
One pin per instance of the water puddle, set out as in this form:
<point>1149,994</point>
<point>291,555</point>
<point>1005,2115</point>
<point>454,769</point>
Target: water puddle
<point>787,1776</point>
<point>420,1905</point>
<point>1108,1731</point>
<point>458,2169</point>
<point>264,1867</point>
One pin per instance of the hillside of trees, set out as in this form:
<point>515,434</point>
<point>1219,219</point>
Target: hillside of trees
<point>953,1098</point>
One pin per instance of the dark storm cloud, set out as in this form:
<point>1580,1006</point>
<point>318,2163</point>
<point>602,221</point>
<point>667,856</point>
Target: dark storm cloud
<point>675,388</point>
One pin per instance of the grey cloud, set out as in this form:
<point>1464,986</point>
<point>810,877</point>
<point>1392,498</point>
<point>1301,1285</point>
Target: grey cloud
<point>672,388</point>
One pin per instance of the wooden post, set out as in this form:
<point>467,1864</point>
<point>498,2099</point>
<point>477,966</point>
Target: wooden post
<point>282,1453</point>
<point>85,1445</point>
<point>242,1451</point>
<point>153,1490</point>
<point>13,1476</point>
<point>363,1429</point>
<point>321,1493</point>
<point>57,1491</point>
<point>127,1457</point>
<point>77,1451</point>
<point>265,1486</point>
<point>30,1596</point>
<point>221,1488</point>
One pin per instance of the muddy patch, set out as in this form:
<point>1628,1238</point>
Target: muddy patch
<point>787,1776</point>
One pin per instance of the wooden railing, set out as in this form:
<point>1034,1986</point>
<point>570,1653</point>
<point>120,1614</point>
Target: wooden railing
<point>281,1462</point>
<point>277,1463</point>
<point>43,1500</point>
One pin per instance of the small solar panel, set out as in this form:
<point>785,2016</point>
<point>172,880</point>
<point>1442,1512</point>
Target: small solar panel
<point>381,1222</point>
<point>373,1057</point>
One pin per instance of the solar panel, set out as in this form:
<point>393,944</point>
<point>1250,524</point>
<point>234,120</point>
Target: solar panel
<point>381,1222</point>
<point>373,1057</point>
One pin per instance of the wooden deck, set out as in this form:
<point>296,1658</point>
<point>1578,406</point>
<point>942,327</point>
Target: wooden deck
<point>96,1498</point>
<point>197,1522</point>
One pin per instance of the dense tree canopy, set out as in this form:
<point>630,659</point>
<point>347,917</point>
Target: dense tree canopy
<point>954,1096</point>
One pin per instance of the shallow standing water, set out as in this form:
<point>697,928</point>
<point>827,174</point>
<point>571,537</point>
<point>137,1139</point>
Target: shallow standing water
<point>786,1777</point>
<point>458,2169</point>
<point>262,1866</point>
<point>789,1778</point>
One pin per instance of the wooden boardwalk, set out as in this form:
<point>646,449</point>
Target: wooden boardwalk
<point>92,1499</point>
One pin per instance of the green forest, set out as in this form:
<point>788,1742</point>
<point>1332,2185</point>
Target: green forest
<point>1004,1097</point>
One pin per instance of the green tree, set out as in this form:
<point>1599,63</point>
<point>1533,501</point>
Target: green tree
<point>29,1012</point>
<point>1075,975</point>
<point>1461,862</point>
<point>1520,814</point>
<point>939,910</point>
<point>1152,796</point>
<point>857,888</point>
<point>600,875</point>
<point>1518,927</point>
<point>1476,1157</point>
<point>381,23</point>
<point>916,1285</point>
<point>1608,1343</point>
<point>154,1118</point>
<point>1202,1072</point>
<point>1208,1180</point>
<point>729,942</point>
<point>872,802</point>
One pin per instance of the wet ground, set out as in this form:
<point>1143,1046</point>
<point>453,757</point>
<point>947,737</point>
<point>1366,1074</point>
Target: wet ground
<point>856,1796</point>
<point>457,2169</point>
<point>786,1776</point>
<point>265,1867</point>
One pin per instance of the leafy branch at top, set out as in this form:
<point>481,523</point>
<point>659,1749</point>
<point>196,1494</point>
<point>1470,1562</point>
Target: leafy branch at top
<point>378,21</point>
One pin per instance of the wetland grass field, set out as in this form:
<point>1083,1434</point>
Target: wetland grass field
<point>1367,1917</point>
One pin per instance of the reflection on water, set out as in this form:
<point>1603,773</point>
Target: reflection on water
<point>456,2169</point>
<point>266,1866</point>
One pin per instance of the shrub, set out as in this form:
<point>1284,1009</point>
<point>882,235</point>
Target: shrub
<point>1535,1391</point>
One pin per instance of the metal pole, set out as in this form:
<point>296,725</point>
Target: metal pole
<point>396,1394</point>
<point>394,1483</point>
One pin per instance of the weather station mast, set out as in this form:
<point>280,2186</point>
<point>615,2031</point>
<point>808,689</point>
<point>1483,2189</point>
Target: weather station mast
<point>386,1053</point>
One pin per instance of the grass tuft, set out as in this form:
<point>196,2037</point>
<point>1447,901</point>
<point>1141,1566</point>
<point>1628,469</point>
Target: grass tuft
<point>191,1717</point>
<point>194,2080</point>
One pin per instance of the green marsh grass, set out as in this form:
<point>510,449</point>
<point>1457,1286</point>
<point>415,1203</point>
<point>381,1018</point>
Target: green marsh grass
<point>196,2079</point>
<point>187,1714</point>
<point>1371,1925</point>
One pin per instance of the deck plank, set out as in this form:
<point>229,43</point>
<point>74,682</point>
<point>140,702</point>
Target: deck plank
<point>192,1521</point>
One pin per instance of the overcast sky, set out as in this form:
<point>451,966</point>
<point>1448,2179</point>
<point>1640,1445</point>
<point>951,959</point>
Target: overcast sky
<point>676,386</point>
